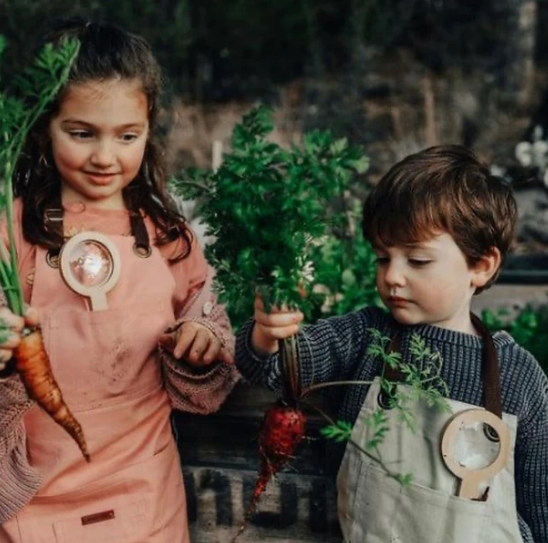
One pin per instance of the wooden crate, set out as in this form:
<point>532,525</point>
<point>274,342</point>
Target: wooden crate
<point>219,457</point>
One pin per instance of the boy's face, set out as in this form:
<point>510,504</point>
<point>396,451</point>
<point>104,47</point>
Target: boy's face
<point>427,283</point>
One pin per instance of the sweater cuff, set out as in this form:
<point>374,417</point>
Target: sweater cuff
<point>197,390</point>
<point>20,481</point>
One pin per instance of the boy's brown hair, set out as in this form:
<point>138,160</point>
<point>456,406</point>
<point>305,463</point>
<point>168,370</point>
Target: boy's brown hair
<point>442,189</point>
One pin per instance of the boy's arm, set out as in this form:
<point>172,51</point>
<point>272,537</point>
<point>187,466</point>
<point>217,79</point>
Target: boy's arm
<point>328,351</point>
<point>531,456</point>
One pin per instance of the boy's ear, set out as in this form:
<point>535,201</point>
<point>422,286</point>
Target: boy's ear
<point>486,267</point>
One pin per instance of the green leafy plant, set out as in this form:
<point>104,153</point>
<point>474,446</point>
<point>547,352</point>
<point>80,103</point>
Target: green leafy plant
<point>266,207</point>
<point>529,327</point>
<point>30,94</point>
<point>345,269</point>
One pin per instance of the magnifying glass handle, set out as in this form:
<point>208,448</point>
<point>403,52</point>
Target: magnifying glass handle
<point>98,301</point>
<point>469,488</point>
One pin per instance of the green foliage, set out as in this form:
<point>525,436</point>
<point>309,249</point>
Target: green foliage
<point>423,383</point>
<point>345,269</point>
<point>30,94</point>
<point>529,328</point>
<point>339,431</point>
<point>267,208</point>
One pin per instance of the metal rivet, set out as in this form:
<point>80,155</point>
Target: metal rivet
<point>490,433</point>
<point>52,259</point>
<point>142,251</point>
<point>384,400</point>
<point>208,307</point>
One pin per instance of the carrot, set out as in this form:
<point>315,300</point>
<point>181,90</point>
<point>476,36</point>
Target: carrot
<point>283,428</point>
<point>33,365</point>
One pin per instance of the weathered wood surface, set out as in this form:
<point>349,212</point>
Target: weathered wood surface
<point>220,459</point>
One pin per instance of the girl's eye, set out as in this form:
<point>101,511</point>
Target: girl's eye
<point>381,260</point>
<point>419,263</point>
<point>80,134</point>
<point>128,138</point>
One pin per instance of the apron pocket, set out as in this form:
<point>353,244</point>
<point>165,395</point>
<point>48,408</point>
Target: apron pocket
<point>414,514</point>
<point>111,524</point>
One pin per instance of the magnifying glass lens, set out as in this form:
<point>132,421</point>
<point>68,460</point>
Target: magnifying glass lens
<point>472,448</point>
<point>90,263</point>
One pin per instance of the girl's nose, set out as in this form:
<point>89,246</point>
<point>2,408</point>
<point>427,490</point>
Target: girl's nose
<point>394,275</point>
<point>102,155</point>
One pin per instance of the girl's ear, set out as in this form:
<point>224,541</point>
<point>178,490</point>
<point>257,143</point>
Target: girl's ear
<point>486,267</point>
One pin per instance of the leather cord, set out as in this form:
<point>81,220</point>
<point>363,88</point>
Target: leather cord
<point>54,221</point>
<point>490,367</point>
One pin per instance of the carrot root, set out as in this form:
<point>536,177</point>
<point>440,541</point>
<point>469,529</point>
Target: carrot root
<point>282,430</point>
<point>33,365</point>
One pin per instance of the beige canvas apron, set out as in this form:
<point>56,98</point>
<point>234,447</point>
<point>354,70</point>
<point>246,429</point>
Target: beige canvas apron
<point>132,490</point>
<point>374,508</point>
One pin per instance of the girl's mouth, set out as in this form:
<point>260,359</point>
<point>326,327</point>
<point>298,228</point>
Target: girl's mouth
<point>100,178</point>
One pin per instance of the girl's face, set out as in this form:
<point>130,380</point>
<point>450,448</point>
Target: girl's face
<point>428,283</point>
<point>98,140</point>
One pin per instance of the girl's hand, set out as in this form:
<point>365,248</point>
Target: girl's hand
<point>270,327</point>
<point>10,329</point>
<point>196,344</point>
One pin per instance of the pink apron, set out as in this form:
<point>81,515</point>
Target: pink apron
<point>104,361</point>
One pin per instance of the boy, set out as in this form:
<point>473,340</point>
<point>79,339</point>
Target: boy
<point>440,225</point>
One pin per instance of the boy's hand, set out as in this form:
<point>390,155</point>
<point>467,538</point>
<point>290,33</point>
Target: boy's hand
<point>10,329</point>
<point>196,344</point>
<point>270,327</point>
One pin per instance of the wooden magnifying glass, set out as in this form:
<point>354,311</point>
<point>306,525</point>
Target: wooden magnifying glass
<point>90,265</point>
<point>472,478</point>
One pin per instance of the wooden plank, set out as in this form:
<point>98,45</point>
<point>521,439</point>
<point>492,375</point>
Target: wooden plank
<point>219,456</point>
<point>294,508</point>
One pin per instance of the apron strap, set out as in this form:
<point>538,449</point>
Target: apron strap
<point>54,221</point>
<point>490,367</point>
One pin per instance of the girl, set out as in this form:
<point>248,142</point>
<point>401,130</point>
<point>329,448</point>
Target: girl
<point>441,226</point>
<point>92,173</point>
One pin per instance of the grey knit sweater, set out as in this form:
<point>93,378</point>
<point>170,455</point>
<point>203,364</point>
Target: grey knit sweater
<point>335,349</point>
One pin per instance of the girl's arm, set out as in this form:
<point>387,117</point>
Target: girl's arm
<point>201,389</point>
<point>20,481</point>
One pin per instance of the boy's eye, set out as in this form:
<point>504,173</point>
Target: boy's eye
<point>419,263</point>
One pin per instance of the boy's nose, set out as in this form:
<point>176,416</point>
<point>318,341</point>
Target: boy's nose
<point>394,276</point>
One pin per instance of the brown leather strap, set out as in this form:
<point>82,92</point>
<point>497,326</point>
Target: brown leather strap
<point>390,373</point>
<point>140,233</point>
<point>490,367</point>
<point>54,221</point>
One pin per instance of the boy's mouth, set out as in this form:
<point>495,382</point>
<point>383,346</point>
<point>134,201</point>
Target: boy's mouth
<point>397,301</point>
